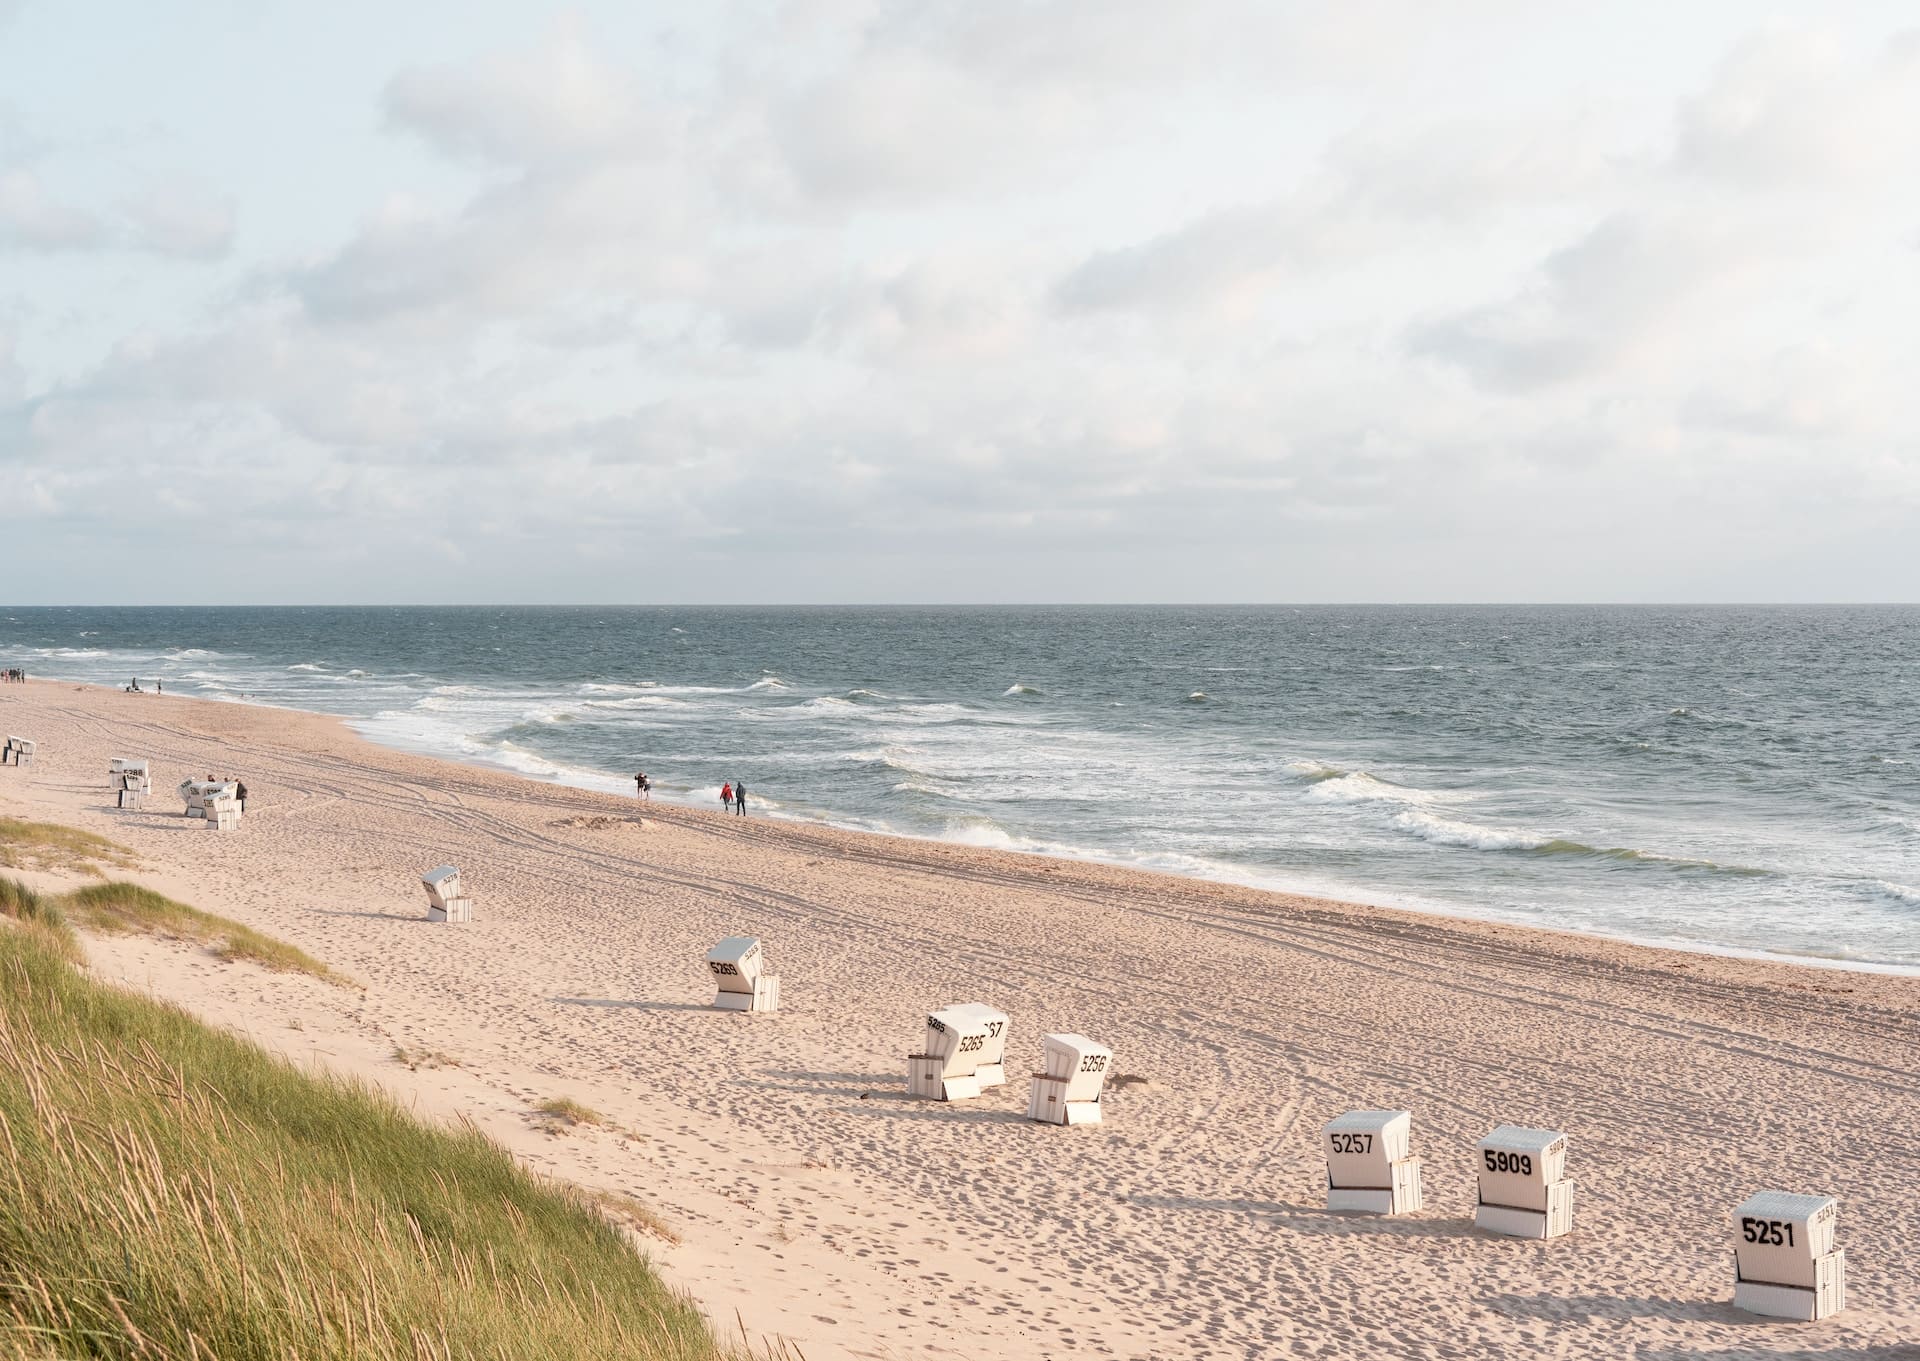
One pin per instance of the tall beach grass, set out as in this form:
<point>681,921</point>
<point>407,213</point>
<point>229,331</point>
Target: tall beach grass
<point>170,1190</point>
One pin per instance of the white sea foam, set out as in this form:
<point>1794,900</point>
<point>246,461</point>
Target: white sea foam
<point>1360,787</point>
<point>306,666</point>
<point>1314,771</point>
<point>1021,688</point>
<point>1452,832</point>
<point>637,702</point>
<point>1904,894</point>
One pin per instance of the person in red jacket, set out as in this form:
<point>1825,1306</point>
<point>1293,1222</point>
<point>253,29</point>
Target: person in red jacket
<point>726,796</point>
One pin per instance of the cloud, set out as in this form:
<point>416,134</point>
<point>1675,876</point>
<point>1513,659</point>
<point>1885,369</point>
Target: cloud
<point>941,292</point>
<point>31,219</point>
<point>1792,108</point>
<point>181,216</point>
<point>1373,191</point>
<point>557,103</point>
<point>1592,306</point>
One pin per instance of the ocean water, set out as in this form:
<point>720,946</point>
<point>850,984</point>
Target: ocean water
<point>1727,777</point>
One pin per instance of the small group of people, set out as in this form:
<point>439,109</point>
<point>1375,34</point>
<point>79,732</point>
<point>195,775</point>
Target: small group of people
<point>733,794</point>
<point>133,686</point>
<point>13,675</point>
<point>239,789</point>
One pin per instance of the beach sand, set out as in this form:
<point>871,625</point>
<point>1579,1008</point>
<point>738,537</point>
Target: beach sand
<point>816,1202</point>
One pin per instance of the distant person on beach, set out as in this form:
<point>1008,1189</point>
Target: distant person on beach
<point>643,787</point>
<point>240,792</point>
<point>726,797</point>
<point>740,799</point>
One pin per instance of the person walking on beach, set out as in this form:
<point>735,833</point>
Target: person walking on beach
<point>726,797</point>
<point>740,799</point>
<point>642,786</point>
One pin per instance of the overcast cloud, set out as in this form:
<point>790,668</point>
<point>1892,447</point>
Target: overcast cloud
<point>971,300</point>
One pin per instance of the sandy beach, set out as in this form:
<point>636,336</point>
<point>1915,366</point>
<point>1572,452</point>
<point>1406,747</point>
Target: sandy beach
<point>815,1201</point>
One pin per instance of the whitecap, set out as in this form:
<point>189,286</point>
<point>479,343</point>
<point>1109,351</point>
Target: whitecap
<point>828,704</point>
<point>1904,894</point>
<point>1471,835</point>
<point>1360,787</point>
<point>1021,688</point>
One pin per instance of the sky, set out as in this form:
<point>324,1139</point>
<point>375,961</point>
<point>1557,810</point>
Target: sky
<point>958,301</point>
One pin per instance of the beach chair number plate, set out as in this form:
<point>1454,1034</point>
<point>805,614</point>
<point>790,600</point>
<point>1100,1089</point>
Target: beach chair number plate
<point>1352,1143</point>
<point>1771,1233</point>
<point>1497,1161</point>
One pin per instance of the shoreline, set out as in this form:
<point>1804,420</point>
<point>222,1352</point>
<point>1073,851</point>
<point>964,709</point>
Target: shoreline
<point>1383,901</point>
<point>814,1196</point>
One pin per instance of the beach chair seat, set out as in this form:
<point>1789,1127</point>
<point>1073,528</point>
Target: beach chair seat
<point>1068,1091</point>
<point>447,899</point>
<point>964,1054</point>
<point>1370,1163</point>
<point>1524,1189</point>
<point>738,966</point>
<point>1785,1261</point>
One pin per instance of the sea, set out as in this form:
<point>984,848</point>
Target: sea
<point>1741,779</point>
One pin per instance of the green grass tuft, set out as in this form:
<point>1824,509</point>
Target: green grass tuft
<point>49,846</point>
<point>171,1191</point>
<point>563,1113</point>
<point>423,1058</point>
<point>121,907</point>
<point>39,916</point>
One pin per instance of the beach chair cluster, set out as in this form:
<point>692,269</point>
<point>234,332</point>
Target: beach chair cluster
<point>447,899</point>
<point>130,781</point>
<point>18,751</point>
<point>217,801</point>
<point>965,1054</point>
<point>1786,1265</point>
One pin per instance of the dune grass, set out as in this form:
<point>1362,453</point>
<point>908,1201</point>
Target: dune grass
<point>122,907</point>
<point>171,1191</point>
<point>49,846</point>
<point>566,1112</point>
<point>31,909</point>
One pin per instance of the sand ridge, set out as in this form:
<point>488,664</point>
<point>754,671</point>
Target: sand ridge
<point>823,1204</point>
